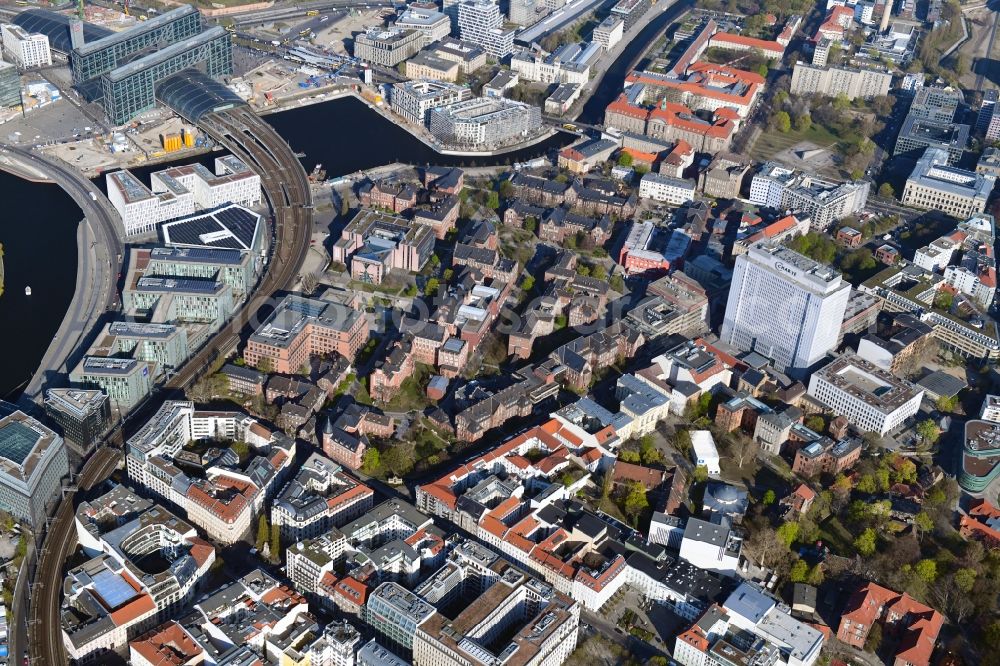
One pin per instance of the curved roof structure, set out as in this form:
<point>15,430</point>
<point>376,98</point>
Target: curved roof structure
<point>55,26</point>
<point>192,94</point>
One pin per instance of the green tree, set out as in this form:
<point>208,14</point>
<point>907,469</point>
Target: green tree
<point>815,576</point>
<point>866,542</point>
<point>965,579</point>
<point>816,423</point>
<point>787,533</point>
<point>506,189</point>
<point>398,459</point>
<point>530,224</point>
<point>370,461</point>
<point>648,451</point>
<point>265,365</point>
<point>947,404</point>
<point>857,174</point>
<point>528,283</point>
<point>700,474</point>
<point>798,572</point>
<point>782,122</point>
<point>803,122</point>
<point>242,449</point>
<point>886,191</point>
<point>617,283</point>
<point>943,300</point>
<point>763,70</point>
<point>769,498</point>
<point>431,288</point>
<point>625,159</point>
<point>635,501</point>
<point>263,532</point>
<point>928,431</point>
<point>927,570</point>
<point>493,201</point>
<point>629,456</point>
<point>923,523</point>
<point>345,207</point>
<point>599,272</point>
<point>275,542</point>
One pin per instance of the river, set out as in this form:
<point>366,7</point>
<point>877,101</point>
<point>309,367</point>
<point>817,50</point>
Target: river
<point>38,232</point>
<point>344,135</point>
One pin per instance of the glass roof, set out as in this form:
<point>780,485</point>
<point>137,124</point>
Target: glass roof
<point>192,94</point>
<point>55,26</point>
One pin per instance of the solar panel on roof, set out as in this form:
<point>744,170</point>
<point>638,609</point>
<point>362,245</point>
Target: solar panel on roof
<point>113,589</point>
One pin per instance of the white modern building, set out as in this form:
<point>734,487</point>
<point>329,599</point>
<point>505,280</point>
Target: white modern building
<point>704,452</point>
<point>933,185</point>
<point>414,99</point>
<point>783,306</point>
<point>811,79</point>
<point>481,23</point>
<point>711,547</point>
<point>609,32</point>
<point>823,201</point>
<point>570,63</point>
<point>673,191</point>
<point>484,122</point>
<point>32,464</point>
<point>25,49</point>
<point>871,398</point>
<point>433,25</point>
<point>180,191</point>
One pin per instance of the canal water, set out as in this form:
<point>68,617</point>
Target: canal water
<point>38,228</point>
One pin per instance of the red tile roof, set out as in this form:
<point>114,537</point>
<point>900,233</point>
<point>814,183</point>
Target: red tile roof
<point>167,645</point>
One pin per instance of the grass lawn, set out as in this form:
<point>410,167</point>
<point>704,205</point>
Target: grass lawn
<point>411,392</point>
<point>771,142</point>
<point>836,537</point>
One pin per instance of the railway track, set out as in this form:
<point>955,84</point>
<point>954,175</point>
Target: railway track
<point>286,188</point>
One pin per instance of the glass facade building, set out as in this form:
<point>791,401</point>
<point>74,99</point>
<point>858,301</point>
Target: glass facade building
<point>131,89</point>
<point>104,55</point>
<point>10,85</point>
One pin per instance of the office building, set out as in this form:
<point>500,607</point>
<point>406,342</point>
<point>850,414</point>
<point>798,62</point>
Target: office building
<point>481,23</point>
<point>231,267</point>
<point>919,134</point>
<point>32,464</point>
<point>414,99</point>
<point>812,79</point>
<point>781,305</point>
<point>823,202</point>
<point>229,227</point>
<point>179,300</point>
<point>938,105</point>
<point>100,56</point>
<point>469,57</point>
<point>163,345</point>
<point>126,380</point>
<point>82,415</point>
<point>703,86</point>
<point>375,243</point>
<point>724,176</point>
<point>872,399</point>
<point>427,65</point>
<point>320,496</point>
<point>388,46</point>
<point>526,12</point>
<point>302,327</point>
<point>131,88</point>
<point>630,11</point>
<point>570,63</point>
<point>232,183</point>
<point>139,208</point>
<point>217,489</point>
<point>562,98</point>
<point>609,32</point>
<point>10,85</point>
<point>395,614</point>
<point>432,25</point>
<point>673,191</point>
<point>933,185</point>
<point>672,122</point>
<point>987,110</point>
<point>484,122</point>
<point>503,601</point>
<point>712,546</point>
<point>24,49</point>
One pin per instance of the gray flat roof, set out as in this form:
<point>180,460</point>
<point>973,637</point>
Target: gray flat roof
<point>166,54</point>
<point>149,25</point>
